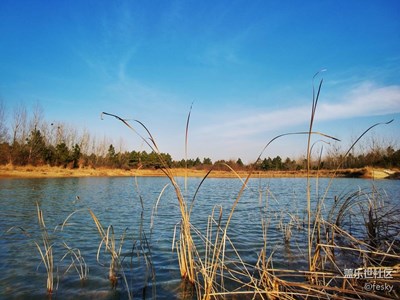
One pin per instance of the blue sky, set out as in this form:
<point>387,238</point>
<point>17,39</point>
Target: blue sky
<point>246,65</point>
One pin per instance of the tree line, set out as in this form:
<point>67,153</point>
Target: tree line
<point>28,139</point>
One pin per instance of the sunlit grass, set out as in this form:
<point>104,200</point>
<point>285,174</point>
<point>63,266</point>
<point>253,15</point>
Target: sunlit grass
<point>207,265</point>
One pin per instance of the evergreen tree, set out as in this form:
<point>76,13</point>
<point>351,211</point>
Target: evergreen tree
<point>207,161</point>
<point>36,148</point>
<point>62,155</point>
<point>277,163</point>
<point>75,155</point>
<point>134,159</point>
<point>111,156</point>
<point>239,162</point>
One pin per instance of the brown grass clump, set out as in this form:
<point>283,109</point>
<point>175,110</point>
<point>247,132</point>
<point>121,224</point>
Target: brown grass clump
<point>185,245</point>
<point>215,274</point>
<point>44,246</point>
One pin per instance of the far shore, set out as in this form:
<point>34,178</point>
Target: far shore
<point>10,171</point>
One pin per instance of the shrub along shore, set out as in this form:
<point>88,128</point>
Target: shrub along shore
<point>10,171</point>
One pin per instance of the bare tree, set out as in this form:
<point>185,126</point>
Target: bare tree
<point>37,117</point>
<point>334,155</point>
<point>19,134</point>
<point>55,133</point>
<point>3,123</point>
<point>63,133</point>
<point>46,130</point>
<point>19,124</point>
<point>4,147</point>
<point>71,136</point>
<point>35,140</point>
<point>93,146</point>
<point>84,141</point>
<point>102,147</point>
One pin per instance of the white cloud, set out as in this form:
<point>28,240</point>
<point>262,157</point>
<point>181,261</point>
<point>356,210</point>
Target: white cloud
<point>366,99</point>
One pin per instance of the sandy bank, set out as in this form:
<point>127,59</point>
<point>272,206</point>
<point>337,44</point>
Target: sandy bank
<point>50,172</point>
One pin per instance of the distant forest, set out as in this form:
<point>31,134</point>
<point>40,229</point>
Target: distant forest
<point>31,140</point>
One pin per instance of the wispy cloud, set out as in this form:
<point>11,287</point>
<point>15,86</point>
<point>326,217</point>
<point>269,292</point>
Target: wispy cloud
<point>366,99</point>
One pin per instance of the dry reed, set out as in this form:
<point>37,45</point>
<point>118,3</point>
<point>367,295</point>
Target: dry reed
<point>44,247</point>
<point>46,251</point>
<point>219,266</point>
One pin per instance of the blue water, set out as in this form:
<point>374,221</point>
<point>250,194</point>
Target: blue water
<point>117,202</point>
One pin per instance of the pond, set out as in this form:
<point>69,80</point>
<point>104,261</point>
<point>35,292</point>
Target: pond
<point>144,218</point>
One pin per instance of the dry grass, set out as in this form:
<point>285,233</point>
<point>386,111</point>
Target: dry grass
<point>44,246</point>
<point>213,272</point>
<point>9,171</point>
<point>77,262</point>
<point>184,245</point>
<point>45,250</point>
<point>108,240</point>
<point>210,262</point>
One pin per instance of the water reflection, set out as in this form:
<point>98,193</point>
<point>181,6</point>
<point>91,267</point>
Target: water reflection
<point>116,201</point>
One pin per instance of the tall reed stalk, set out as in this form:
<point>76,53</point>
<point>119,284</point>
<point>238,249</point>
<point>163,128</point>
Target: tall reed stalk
<point>211,268</point>
<point>46,251</point>
<point>185,245</point>
<point>315,98</point>
<point>77,262</point>
<point>109,242</point>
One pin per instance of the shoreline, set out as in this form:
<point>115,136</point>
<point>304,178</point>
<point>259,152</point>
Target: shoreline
<point>20,172</point>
